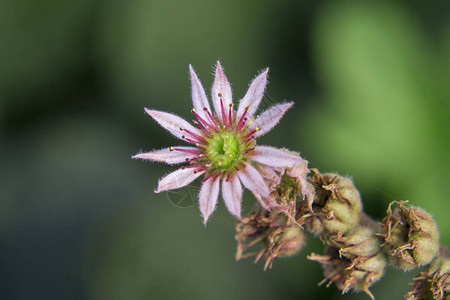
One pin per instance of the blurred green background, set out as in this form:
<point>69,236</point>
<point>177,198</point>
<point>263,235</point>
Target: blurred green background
<point>78,217</point>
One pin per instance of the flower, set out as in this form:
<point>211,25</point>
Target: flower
<point>223,144</point>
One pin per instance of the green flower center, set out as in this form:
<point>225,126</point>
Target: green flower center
<point>224,149</point>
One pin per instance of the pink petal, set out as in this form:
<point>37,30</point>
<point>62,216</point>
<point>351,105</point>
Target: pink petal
<point>268,119</point>
<point>169,155</point>
<point>299,172</point>
<point>199,99</point>
<point>269,203</point>
<point>252,180</point>
<point>232,195</point>
<point>274,157</point>
<point>221,87</point>
<point>269,173</point>
<point>262,202</point>
<point>253,96</point>
<point>177,179</point>
<point>173,123</point>
<point>208,197</point>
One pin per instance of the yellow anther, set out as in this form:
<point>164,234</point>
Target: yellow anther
<point>170,148</point>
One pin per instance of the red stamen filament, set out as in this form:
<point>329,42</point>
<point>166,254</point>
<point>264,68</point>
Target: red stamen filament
<point>207,177</point>
<point>194,159</point>
<point>230,113</point>
<point>211,175</point>
<point>199,165</point>
<point>187,150</point>
<point>190,140</point>
<point>196,136</point>
<point>212,118</point>
<point>242,120</point>
<point>224,116</point>
<point>203,129</point>
<point>249,135</point>
<point>203,122</point>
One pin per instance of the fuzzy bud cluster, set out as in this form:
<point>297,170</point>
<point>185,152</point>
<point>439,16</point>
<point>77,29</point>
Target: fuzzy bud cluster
<point>434,281</point>
<point>273,231</point>
<point>337,205</point>
<point>353,259</point>
<point>411,237</point>
<point>357,273</point>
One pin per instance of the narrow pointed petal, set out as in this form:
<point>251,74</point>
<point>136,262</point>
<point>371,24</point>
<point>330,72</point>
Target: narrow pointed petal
<point>177,179</point>
<point>252,180</point>
<point>269,173</point>
<point>253,96</point>
<point>221,89</point>
<point>268,119</point>
<point>199,99</point>
<point>169,155</point>
<point>208,197</point>
<point>269,203</point>
<point>173,123</point>
<point>232,195</point>
<point>275,157</point>
<point>262,202</point>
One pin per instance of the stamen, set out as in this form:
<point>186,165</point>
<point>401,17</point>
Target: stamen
<point>201,146</point>
<point>212,118</point>
<point>224,116</point>
<point>203,129</point>
<point>208,177</point>
<point>198,137</point>
<point>200,169</point>
<point>185,150</point>
<point>204,123</point>
<point>191,141</point>
<point>243,119</point>
<point>194,158</point>
<point>199,165</point>
<point>230,113</point>
<point>249,135</point>
<point>247,151</point>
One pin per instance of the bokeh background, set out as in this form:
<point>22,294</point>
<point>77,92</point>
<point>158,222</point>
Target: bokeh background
<point>78,217</point>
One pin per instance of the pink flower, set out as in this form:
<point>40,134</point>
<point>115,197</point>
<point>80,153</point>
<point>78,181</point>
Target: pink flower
<point>223,144</point>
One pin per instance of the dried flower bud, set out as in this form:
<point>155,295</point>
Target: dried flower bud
<point>286,185</point>
<point>337,205</point>
<point>274,231</point>
<point>411,237</point>
<point>361,243</point>
<point>347,274</point>
<point>434,281</point>
<point>299,172</point>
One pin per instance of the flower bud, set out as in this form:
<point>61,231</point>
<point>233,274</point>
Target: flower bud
<point>434,281</point>
<point>287,186</point>
<point>347,274</point>
<point>411,237</point>
<point>277,234</point>
<point>337,204</point>
<point>361,243</point>
<point>299,172</point>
